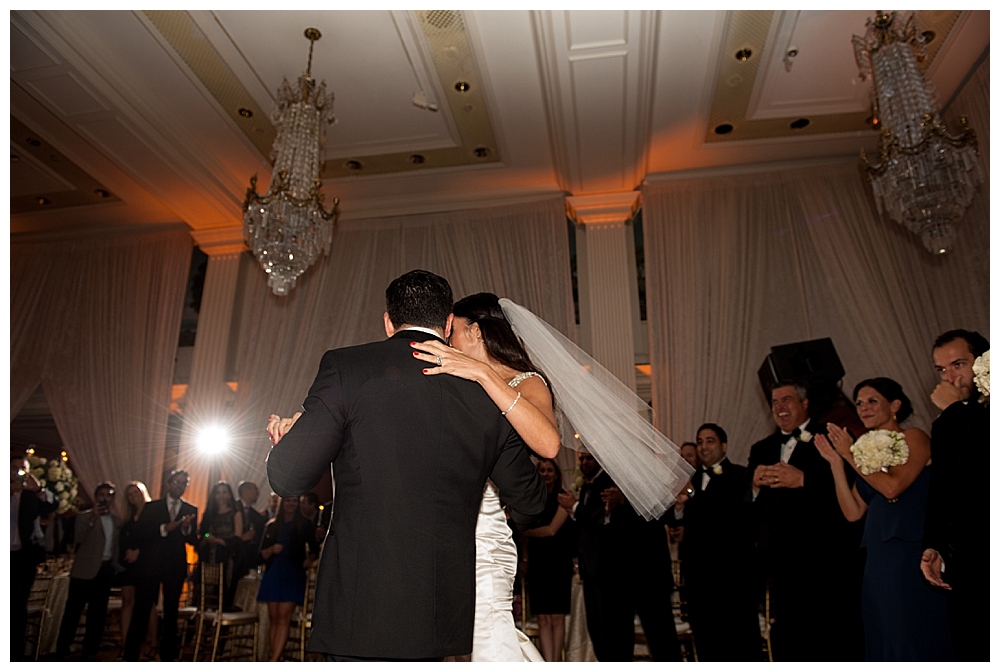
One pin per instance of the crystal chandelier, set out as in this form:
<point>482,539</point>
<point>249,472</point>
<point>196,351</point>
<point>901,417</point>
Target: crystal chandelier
<point>287,227</point>
<point>926,178</point>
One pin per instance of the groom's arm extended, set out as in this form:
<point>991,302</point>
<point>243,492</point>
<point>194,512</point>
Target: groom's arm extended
<point>520,485</point>
<point>303,455</point>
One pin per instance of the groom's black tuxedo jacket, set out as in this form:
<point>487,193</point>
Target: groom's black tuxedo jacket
<point>411,454</point>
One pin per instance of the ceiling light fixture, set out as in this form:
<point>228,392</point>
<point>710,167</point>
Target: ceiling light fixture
<point>926,178</point>
<point>288,227</point>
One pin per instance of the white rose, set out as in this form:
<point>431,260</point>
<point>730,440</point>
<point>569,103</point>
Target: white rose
<point>41,460</point>
<point>59,486</point>
<point>64,496</point>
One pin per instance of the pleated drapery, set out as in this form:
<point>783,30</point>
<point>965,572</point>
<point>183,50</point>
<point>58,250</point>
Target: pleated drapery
<point>96,322</point>
<point>736,266</point>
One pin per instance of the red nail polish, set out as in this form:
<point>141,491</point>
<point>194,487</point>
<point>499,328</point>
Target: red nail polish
<point>412,343</point>
<point>414,354</point>
<point>425,370</point>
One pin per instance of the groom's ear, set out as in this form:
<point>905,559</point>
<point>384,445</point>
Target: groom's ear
<point>447,326</point>
<point>389,329</point>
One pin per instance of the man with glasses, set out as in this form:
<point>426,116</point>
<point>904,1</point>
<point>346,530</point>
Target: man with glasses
<point>164,528</point>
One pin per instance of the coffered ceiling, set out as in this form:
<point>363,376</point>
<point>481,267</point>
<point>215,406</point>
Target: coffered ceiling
<point>131,118</point>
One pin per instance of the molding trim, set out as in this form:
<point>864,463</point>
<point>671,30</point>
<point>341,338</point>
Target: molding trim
<point>744,169</point>
<point>221,241</point>
<point>603,209</point>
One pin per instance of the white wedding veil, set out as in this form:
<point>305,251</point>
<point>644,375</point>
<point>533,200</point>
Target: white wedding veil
<point>611,419</point>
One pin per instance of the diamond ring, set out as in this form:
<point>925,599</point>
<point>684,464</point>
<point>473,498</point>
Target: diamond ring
<point>439,361</point>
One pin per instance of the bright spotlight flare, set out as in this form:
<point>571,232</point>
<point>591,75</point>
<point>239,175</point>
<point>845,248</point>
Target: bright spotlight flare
<point>213,440</point>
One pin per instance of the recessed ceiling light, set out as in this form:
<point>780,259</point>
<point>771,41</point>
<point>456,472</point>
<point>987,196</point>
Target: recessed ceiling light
<point>872,121</point>
<point>481,151</point>
<point>744,55</point>
<point>723,129</point>
<point>42,200</point>
<point>462,87</point>
<point>102,193</point>
<point>246,113</point>
<point>799,123</point>
<point>928,36</point>
<point>354,165</point>
<point>417,158</point>
<point>33,142</point>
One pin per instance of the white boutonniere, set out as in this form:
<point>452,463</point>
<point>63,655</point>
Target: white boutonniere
<point>805,436</point>
<point>717,469</point>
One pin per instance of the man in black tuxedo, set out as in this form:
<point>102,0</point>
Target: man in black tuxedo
<point>806,546</point>
<point>719,570</point>
<point>253,526</point>
<point>26,550</point>
<point>411,454</point>
<point>957,530</point>
<point>164,527</point>
<point>625,567</point>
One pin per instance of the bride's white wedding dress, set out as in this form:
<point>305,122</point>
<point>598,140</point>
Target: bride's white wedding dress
<point>495,639</point>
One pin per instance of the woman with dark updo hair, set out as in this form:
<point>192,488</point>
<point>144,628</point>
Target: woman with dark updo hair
<point>904,619</point>
<point>485,349</point>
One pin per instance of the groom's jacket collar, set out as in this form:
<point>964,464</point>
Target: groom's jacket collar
<point>417,335</point>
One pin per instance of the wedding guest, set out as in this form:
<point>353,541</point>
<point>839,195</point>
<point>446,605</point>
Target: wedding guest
<point>26,550</point>
<point>220,536</point>
<point>956,553</point>
<point>623,561</point>
<point>904,619</point>
<point>273,502</point>
<point>136,497</point>
<point>253,527</point>
<point>719,554</point>
<point>550,565</point>
<point>803,540</point>
<point>288,548</point>
<point>164,529</point>
<point>93,573</point>
<point>689,451</point>
<point>309,508</point>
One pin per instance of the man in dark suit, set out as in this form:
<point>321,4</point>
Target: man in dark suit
<point>411,454</point>
<point>625,567</point>
<point>163,530</point>
<point>253,526</point>
<point>956,532</point>
<point>807,549</point>
<point>719,558</point>
<point>94,567</point>
<point>26,550</point>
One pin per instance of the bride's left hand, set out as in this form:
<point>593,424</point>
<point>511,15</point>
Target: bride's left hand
<point>448,360</point>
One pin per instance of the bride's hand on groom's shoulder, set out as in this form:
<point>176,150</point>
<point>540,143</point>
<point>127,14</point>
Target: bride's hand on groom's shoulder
<point>277,426</point>
<point>446,359</point>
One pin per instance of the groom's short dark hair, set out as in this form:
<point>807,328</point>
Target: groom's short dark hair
<point>419,299</point>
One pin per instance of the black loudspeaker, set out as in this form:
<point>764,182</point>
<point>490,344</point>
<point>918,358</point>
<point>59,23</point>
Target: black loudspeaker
<point>811,363</point>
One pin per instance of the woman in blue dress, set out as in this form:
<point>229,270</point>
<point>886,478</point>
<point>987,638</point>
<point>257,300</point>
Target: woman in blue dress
<point>288,548</point>
<point>904,618</point>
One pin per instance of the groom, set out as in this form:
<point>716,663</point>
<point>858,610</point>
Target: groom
<point>411,454</point>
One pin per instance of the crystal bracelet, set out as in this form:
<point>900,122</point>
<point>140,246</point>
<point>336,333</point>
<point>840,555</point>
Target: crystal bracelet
<point>513,404</point>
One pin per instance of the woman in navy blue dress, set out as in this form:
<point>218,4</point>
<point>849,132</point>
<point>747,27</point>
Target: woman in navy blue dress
<point>288,547</point>
<point>904,618</point>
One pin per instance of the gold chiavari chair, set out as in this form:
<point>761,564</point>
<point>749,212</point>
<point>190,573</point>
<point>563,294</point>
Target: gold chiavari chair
<point>235,623</point>
<point>39,610</point>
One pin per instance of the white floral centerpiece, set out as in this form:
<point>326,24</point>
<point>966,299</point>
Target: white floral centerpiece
<point>56,477</point>
<point>981,367</point>
<point>880,449</point>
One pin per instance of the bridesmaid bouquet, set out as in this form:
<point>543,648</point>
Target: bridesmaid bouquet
<point>981,368</point>
<point>880,449</point>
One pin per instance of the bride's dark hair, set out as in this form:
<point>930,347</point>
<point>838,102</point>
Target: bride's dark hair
<point>502,344</point>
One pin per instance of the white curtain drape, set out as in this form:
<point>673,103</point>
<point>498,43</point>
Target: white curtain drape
<point>518,251</point>
<point>738,264</point>
<point>96,321</point>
